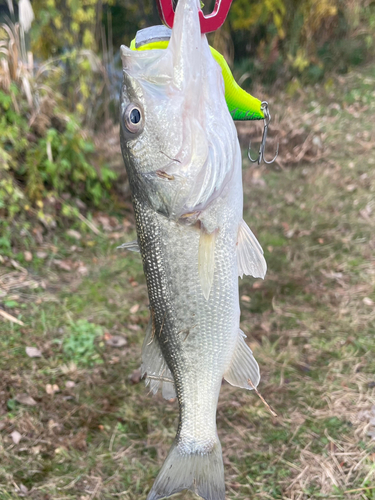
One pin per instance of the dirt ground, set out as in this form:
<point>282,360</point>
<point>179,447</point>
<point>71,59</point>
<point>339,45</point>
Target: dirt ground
<point>76,421</point>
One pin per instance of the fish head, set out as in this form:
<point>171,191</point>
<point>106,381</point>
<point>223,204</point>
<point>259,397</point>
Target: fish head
<point>151,125</point>
<point>177,136</point>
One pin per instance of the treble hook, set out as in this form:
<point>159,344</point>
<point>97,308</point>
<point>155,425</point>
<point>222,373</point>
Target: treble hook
<point>266,121</point>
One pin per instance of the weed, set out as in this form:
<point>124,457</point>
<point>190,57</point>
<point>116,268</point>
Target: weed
<point>80,345</point>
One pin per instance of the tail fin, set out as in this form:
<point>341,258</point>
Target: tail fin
<point>201,473</point>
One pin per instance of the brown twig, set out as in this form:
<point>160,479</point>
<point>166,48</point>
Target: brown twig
<point>269,408</point>
<point>11,318</point>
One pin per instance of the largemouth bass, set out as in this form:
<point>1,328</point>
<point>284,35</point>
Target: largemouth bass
<point>184,165</point>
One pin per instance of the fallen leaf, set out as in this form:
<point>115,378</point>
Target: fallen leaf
<point>105,222</point>
<point>41,255</point>
<point>51,389</point>
<point>74,234</point>
<point>134,309</point>
<point>135,328</point>
<point>52,425</point>
<point>116,341</point>
<point>22,490</point>
<point>135,377</point>
<point>236,404</point>
<point>33,352</point>
<point>16,437</point>
<point>82,270</point>
<point>35,450</point>
<point>332,275</point>
<point>365,214</point>
<point>367,301</point>
<point>62,264</point>
<point>60,449</point>
<point>28,256</point>
<point>81,204</point>
<point>25,399</point>
<point>289,198</point>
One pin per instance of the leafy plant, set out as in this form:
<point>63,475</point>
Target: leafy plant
<point>79,346</point>
<point>58,161</point>
<point>302,37</point>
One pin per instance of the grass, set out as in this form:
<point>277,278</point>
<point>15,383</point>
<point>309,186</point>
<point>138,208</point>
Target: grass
<point>99,434</point>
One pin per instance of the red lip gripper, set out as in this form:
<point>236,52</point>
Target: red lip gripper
<point>209,23</point>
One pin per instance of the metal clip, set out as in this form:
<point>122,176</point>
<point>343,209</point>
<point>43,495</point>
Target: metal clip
<point>209,23</point>
<point>262,148</point>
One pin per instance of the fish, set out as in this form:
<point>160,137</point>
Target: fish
<point>184,166</point>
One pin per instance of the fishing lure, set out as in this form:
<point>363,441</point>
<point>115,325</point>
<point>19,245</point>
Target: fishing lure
<point>242,105</point>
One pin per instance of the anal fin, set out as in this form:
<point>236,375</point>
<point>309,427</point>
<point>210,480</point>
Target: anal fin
<point>243,366</point>
<point>250,258</point>
<point>154,365</point>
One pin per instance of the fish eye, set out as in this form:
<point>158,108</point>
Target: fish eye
<point>133,118</point>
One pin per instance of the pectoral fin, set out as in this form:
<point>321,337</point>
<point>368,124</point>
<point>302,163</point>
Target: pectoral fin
<point>132,246</point>
<point>206,261</point>
<point>243,366</point>
<point>250,258</point>
<point>154,365</point>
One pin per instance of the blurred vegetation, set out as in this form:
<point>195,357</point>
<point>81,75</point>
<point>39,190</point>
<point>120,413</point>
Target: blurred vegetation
<point>281,39</point>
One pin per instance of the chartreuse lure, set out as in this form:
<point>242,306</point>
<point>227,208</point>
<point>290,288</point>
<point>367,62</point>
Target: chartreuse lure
<point>241,104</point>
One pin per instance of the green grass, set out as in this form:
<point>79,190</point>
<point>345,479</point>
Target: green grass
<point>310,324</point>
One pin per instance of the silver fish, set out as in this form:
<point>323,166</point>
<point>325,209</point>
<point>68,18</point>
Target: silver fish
<point>183,160</point>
